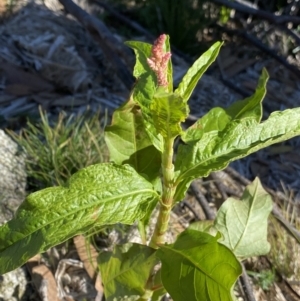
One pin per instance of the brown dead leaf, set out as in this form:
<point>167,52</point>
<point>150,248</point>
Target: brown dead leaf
<point>43,279</point>
<point>88,255</point>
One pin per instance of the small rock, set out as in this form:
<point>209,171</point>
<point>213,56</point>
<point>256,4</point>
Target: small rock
<point>12,177</point>
<point>12,193</point>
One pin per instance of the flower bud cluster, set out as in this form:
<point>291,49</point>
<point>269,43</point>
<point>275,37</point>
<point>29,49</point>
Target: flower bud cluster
<point>158,61</point>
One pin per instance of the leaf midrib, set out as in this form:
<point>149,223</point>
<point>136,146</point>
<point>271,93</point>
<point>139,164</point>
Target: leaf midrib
<point>71,213</point>
<point>187,258</point>
<point>291,134</point>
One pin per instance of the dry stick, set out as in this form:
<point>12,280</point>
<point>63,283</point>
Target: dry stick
<point>220,185</point>
<point>259,13</point>
<point>111,47</point>
<point>290,32</point>
<point>277,20</point>
<point>203,202</point>
<point>224,190</point>
<point>190,207</point>
<point>257,43</point>
<point>246,285</point>
<point>236,175</point>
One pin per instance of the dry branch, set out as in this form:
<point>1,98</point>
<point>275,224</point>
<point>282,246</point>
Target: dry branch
<point>257,43</point>
<point>259,13</point>
<point>203,202</point>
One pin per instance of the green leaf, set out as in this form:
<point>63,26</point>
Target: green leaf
<point>168,111</point>
<point>208,126</point>
<point>125,271</point>
<point>197,267</point>
<point>145,88</point>
<point>128,141</point>
<point>239,139</point>
<point>157,287</point>
<point>96,196</point>
<point>145,85</point>
<point>193,75</point>
<point>206,226</point>
<point>251,107</point>
<point>217,119</point>
<point>142,52</point>
<point>243,223</point>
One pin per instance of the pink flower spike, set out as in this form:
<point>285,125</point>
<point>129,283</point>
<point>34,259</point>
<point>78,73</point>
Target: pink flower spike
<point>158,62</point>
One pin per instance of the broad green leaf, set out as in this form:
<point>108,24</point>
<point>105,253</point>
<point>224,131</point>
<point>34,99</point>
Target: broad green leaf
<point>251,107</point>
<point>208,126</point>
<point>216,120</point>
<point>197,267</point>
<point>193,75</point>
<point>128,141</point>
<point>237,140</point>
<point>168,111</point>
<point>243,223</point>
<point>144,89</point>
<point>142,52</point>
<point>96,196</point>
<point>125,271</point>
<point>145,85</point>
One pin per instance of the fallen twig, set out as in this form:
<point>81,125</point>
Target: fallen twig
<point>190,207</point>
<point>275,19</point>
<point>257,43</point>
<point>224,189</point>
<point>203,202</point>
<point>220,185</point>
<point>246,286</point>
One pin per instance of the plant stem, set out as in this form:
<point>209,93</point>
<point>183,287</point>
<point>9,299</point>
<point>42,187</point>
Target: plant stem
<point>169,188</point>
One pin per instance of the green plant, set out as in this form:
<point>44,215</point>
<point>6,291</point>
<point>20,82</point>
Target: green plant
<point>264,278</point>
<point>204,261</point>
<point>55,151</point>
